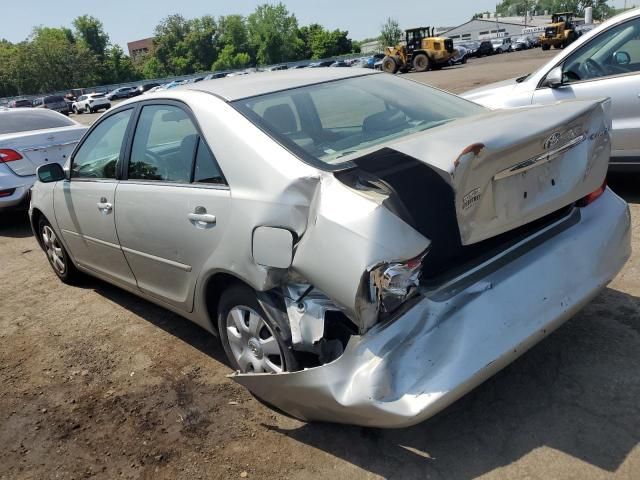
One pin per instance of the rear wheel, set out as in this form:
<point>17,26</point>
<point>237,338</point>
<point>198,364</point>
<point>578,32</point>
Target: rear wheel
<point>253,344</point>
<point>58,257</point>
<point>390,65</point>
<point>546,46</point>
<point>420,62</point>
<point>75,110</point>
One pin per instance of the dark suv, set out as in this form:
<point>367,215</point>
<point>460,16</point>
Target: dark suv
<point>485,48</point>
<point>52,102</point>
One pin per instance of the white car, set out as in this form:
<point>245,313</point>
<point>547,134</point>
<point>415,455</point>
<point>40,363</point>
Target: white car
<point>603,63</point>
<point>91,103</point>
<point>31,137</point>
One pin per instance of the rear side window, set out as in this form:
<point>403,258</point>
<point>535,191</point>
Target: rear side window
<point>13,122</point>
<point>99,155</point>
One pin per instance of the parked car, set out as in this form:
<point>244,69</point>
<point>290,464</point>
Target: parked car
<point>521,43</point>
<point>534,41</point>
<point>603,63</point>
<point>501,45</point>
<point>91,103</point>
<point>460,56</point>
<point>122,92</point>
<point>19,103</point>
<point>471,47</point>
<point>155,89</point>
<point>277,67</point>
<point>484,49</point>
<point>52,102</point>
<point>339,64</point>
<point>139,90</point>
<point>215,75</point>
<point>28,138</point>
<point>324,63</point>
<point>359,241</point>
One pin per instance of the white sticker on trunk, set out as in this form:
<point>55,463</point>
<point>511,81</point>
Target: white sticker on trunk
<point>471,198</point>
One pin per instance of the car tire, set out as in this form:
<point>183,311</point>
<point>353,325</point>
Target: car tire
<point>87,109</point>
<point>107,107</point>
<point>57,255</point>
<point>252,343</point>
<point>75,111</point>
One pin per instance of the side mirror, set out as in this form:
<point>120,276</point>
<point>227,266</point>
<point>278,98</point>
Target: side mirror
<point>622,58</point>
<point>51,172</point>
<point>554,78</point>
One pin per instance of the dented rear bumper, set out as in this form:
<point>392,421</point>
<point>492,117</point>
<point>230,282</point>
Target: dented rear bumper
<point>401,373</point>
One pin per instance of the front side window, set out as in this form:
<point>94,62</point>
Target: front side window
<point>613,52</point>
<point>99,154</point>
<point>332,122</point>
<point>164,145</point>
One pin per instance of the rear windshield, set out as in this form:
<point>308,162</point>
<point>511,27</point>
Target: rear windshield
<point>22,103</point>
<point>13,122</point>
<point>333,122</point>
<point>97,95</point>
<point>53,99</point>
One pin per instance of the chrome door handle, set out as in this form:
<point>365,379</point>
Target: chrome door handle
<point>104,206</point>
<point>202,218</point>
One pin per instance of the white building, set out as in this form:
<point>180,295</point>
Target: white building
<point>487,28</point>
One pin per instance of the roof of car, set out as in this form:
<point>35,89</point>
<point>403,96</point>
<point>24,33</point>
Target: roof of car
<point>244,86</point>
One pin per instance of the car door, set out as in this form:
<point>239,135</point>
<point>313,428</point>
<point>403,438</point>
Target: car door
<point>607,66</point>
<point>85,205</point>
<point>172,206</point>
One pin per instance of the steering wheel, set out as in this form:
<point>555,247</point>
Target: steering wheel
<point>594,68</point>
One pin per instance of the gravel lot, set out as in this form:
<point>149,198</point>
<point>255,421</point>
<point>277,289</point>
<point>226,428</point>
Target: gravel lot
<point>97,383</point>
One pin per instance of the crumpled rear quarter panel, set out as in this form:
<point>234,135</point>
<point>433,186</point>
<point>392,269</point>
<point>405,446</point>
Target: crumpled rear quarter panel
<point>403,372</point>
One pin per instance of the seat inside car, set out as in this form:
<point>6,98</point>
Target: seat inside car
<point>283,120</point>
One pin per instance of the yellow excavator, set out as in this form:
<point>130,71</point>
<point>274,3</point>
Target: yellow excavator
<point>422,51</point>
<point>560,32</point>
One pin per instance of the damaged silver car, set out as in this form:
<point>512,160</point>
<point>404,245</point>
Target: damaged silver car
<point>367,248</point>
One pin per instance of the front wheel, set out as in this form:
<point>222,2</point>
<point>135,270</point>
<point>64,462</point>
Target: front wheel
<point>252,343</point>
<point>58,257</point>
<point>390,65</point>
<point>421,62</point>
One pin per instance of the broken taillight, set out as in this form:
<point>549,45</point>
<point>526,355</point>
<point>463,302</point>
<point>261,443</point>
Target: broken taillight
<point>391,284</point>
<point>592,197</point>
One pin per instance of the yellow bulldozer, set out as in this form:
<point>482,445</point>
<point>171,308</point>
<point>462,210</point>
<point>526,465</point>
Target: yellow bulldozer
<point>422,51</point>
<point>560,32</point>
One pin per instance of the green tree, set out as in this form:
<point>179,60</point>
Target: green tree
<point>8,56</point>
<point>118,67</point>
<point>273,34</point>
<point>229,59</point>
<point>390,34</point>
<point>90,31</point>
<point>201,43</point>
<point>232,30</point>
<point>169,43</point>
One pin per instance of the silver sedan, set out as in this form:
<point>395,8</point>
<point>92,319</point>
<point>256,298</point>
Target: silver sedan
<point>367,248</point>
<point>603,63</point>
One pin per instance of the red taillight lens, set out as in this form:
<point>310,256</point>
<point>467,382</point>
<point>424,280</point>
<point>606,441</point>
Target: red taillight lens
<point>7,193</point>
<point>592,197</point>
<point>8,155</point>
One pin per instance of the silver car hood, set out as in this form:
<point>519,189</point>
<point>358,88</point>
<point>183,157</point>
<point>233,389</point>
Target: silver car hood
<point>504,87</point>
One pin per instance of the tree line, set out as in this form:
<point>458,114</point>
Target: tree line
<point>55,59</point>
<point>601,9</point>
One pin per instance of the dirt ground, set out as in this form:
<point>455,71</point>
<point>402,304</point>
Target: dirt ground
<point>96,383</point>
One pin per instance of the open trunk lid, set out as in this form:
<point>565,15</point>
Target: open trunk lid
<point>508,168</point>
<point>37,147</point>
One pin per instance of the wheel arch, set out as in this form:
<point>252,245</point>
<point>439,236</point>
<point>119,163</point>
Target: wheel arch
<point>214,284</point>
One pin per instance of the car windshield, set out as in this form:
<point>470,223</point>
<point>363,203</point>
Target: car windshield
<point>13,122</point>
<point>333,122</point>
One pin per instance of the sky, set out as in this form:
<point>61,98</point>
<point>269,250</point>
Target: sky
<point>125,21</point>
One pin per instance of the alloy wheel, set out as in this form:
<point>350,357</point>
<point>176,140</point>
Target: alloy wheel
<point>54,250</point>
<point>253,344</point>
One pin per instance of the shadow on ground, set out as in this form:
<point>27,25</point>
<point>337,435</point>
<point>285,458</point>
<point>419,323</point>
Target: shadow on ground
<point>576,393</point>
<point>15,224</point>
